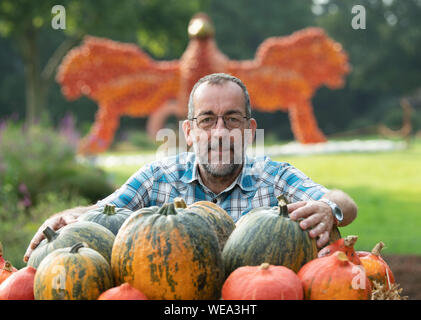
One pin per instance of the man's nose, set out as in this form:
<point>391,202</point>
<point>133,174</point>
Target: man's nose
<point>220,124</point>
<point>220,130</point>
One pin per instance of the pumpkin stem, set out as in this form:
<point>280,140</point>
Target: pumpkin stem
<point>179,203</point>
<point>167,209</point>
<point>8,266</point>
<point>50,234</point>
<point>75,248</point>
<point>109,209</point>
<point>350,241</point>
<point>282,203</point>
<point>378,248</point>
<point>264,266</point>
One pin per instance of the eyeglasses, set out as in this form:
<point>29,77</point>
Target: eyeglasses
<point>208,121</point>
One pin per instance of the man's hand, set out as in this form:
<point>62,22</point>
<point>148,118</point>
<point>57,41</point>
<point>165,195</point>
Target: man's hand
<point>55,222</point>
<point>316,215</point>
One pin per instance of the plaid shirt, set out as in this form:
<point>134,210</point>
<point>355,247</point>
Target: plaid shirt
<point>260,182</point>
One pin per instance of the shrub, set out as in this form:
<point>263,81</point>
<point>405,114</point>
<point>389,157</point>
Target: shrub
<point>141,140</point>
<point>39,176</point>
<point>18,225</point>
<point>36,160</point>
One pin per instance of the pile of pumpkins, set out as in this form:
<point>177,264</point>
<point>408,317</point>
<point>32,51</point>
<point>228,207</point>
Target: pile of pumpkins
<point>192,252</point>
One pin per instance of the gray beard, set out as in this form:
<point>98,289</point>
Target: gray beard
<point>220,170</point>
<point>217,169</point>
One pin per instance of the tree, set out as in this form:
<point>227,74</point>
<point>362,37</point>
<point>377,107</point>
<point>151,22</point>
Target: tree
<point>154,24</point>
<point>384,56</point>
<point>242,25</point>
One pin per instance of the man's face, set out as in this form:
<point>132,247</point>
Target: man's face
<point>219,149</point>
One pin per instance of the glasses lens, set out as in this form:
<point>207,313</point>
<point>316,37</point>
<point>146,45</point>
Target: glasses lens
<point>206,121</point>
<point>231,121</point>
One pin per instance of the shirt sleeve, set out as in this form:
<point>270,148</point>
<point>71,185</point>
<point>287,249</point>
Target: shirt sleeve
<point>134,193</point>
<point>296,186</point>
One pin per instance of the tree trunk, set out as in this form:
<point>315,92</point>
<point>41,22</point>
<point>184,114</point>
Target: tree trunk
<point>37,80</point>
<point>35,88</point>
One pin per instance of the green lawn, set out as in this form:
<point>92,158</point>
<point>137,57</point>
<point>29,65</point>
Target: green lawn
<point>386,187</point>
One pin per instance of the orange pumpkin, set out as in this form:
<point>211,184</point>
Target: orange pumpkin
<point>2,261</point>
<point>334,277</point>
<point>6,271</point>
<point>19,286</point>
<point>123,292</point>
<point>264,282</point>
<point>346,245</point>
<point>376,268</point>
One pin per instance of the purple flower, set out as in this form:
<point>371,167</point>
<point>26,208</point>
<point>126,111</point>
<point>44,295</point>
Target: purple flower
<point>26,202</point>
<point>23,189</point>
<point>68,129</point>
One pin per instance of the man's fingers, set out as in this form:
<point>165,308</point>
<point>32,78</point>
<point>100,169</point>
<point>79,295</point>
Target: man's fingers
<point>38,237</point>
<point>311,221</point>
<point>319,229</point>
<point>314,216</point>
<point>323,239</point>
<point>67,220</point>
<point>54,224</point>
<point>295,205</point>
<point>36,240</point>
<point>27,254</point>
<point>303,211</point>
<point>32,245</point>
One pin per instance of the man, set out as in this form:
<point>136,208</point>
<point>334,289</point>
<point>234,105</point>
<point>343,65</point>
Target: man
<point>219,127</point>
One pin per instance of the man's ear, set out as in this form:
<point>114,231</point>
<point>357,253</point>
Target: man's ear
<point>252,127</point>
<point>187,132</point>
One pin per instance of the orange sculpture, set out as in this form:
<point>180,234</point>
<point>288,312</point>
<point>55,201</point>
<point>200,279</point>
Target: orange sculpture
<point>124,80</point>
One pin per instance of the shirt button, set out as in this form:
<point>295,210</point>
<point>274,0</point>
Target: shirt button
<point>215,200</point>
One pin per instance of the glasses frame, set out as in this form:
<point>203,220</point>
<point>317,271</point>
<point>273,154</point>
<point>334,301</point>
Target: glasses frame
<point>217,118</point>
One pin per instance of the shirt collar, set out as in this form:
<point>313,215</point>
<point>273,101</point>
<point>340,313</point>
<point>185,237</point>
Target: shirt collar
<point>191,173</point>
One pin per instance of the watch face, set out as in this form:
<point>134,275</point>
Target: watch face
<point>338,214</point>
<point>336,211</point>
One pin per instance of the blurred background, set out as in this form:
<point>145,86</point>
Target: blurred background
<point>40,173</point>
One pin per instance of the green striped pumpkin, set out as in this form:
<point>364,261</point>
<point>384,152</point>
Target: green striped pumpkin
<point>217,217</point>
<point>94,235</point>
<point>75,273</point>
<point>268,235</point>
<point>108,216</point>
<point>168,253</point>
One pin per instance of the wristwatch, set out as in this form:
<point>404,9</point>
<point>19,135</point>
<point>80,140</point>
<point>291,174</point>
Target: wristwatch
<point>338,215</point>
